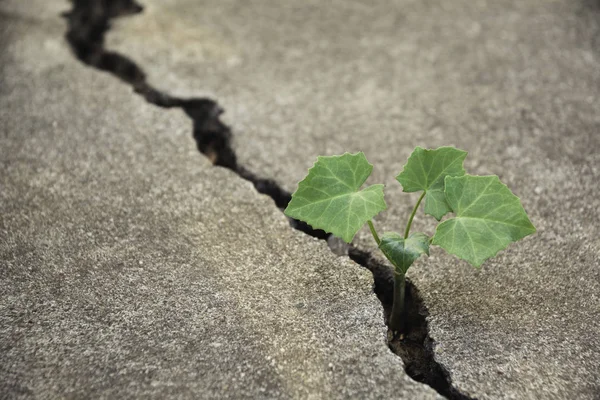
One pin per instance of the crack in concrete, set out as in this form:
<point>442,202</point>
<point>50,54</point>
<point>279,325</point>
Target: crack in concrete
<point>88,22</point>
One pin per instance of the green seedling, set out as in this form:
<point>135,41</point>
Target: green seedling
<point>487,215</point>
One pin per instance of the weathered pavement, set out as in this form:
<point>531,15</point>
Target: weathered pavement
<point>517,83</point>
<point>130,267</point>
<point>227,298</point>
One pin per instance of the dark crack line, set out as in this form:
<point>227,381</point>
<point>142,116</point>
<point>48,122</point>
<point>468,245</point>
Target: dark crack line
<point>88,22</point>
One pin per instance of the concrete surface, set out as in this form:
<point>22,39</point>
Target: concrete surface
<point>517,83</point>
<point>132,268</point>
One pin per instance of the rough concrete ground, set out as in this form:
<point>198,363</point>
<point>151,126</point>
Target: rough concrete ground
<point>517,83</point>
<point>132,268</point>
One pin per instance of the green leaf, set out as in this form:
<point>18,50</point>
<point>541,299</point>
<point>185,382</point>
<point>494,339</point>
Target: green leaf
<point>330,198</point>
<point>403,252</point>
<point>426,170</point>
<point>488,218</point>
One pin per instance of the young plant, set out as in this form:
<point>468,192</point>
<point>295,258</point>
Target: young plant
<point>487,215</point>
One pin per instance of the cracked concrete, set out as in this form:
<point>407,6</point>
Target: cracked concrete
<point>130,267</point>
<point>514,82</point>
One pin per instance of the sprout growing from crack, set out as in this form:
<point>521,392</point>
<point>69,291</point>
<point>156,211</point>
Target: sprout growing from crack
<point>487,215</point>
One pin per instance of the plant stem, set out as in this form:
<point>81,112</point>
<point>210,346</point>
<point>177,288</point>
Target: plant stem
<point>373,232</point>
<point>396,318</point>
<point>412,215</point>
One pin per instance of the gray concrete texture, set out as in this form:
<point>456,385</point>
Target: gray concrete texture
<point>132,268</point>
<point>514,82</point>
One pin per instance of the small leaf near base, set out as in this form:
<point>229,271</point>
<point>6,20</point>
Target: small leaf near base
<point>403,252</point>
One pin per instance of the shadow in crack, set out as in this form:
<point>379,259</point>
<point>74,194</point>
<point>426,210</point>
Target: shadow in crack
<point>415,346</point>
<point>88,22</point>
